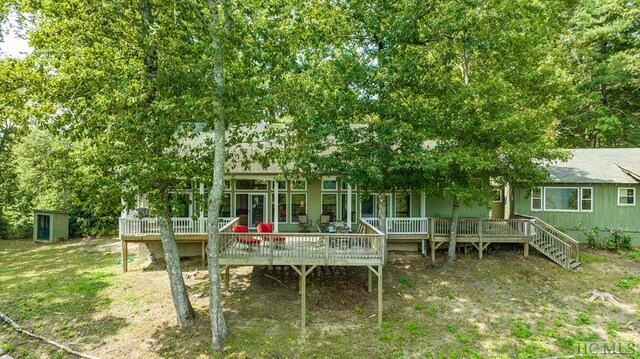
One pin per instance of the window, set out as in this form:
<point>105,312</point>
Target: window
<point>329,185</point>
<point>298,205</point>
<point>251,184</point>
<point>299,185</point>
<point>344,185</point>
<point>626,196</point>
<point>586,199</point>
<point>496,195</point>
<point>282,185</point>
<point>330,205</point>
<point>282,207</point>
<point>536,199</point>
<point>561,198</point>
<point>367,206</point>
<point>403,205</point>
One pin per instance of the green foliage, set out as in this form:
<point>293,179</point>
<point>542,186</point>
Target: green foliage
<point>628,283</point>
<point>407,282</point>
<point>634,255</point>
<point>521,329</point>
<point>418,306</point>
<point>618,239</point>
<point>592,235</point>
<point>583,318</point>
<point>7,347</point>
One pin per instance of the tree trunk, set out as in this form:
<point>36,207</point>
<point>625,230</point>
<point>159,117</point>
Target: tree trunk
<point>451,255</point>
<point>186,314</point>
<point>382,219</point>
<point>218,324</point>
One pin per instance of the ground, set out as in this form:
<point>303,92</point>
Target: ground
<point>503,306</point>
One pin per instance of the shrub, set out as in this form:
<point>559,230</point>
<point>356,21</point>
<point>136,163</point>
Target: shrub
<point>407,282</point>
<point>618,239</point>
<point>592,235</point>
<point>583,318</point>
<point>4,227</point>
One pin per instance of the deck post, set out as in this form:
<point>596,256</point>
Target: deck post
<point>124,256</point>
<point>369,280</point>
<point>227,278</point>
<point>203,254</point>
<point>303,295</point>
<point>526,248</point>
<point>433,250</point>
<point>380,296</point>
<point>276,210</point>
<point>349,205</point>
<point>423,205</point>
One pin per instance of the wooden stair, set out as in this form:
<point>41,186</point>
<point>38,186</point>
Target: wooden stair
<point>554,244</point>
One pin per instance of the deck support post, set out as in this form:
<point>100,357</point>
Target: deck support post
<point>526,248</point>
<point>433,251</point>
<point>227,278</point>
<point>369,280</point>
<point>203,254</point>
<point>124,256</point>
<point>481,250</point>
<point>303,296</point>
<point>379,296</point>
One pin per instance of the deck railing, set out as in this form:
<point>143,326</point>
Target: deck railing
<point>368,243</point>
<point>472,227</point>
<point>181,225</point>
<point>407,225</point>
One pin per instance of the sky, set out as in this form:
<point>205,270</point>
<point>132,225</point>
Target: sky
<point>13,43</point>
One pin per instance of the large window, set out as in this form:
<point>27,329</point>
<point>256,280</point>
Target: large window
<point>330,205</point>
<point>298,205</point>
<point>536,199</point>
<point>403,205</point>
<point>368,207</point>
<point>299,185</point>
<point>561,198</point>
<point>329,185</point>
<point>626,196</point>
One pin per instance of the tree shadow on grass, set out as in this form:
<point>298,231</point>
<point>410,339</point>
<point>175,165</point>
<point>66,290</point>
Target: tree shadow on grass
<point>56,290</point>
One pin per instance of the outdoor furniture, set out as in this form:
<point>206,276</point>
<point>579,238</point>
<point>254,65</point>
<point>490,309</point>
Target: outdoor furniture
<point>250,242</point>
<point>276,241</point>
<point>323,224</point>
<point>303,222</point>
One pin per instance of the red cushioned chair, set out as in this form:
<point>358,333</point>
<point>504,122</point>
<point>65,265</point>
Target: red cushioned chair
<point>250,242</point>
<point>277,241</point>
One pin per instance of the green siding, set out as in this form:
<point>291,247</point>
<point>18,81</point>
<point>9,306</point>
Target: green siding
<point>58,225</point>
<point>438,207</point>
<point>606,211</point>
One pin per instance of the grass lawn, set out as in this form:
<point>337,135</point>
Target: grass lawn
<point>502,306</point>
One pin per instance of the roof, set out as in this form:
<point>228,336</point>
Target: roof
<point>598,165</point>
<point>50,211</point>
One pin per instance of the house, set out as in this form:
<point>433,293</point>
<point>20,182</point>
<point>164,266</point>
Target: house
<point>595,188</point>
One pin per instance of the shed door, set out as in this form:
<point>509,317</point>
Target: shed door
<point>44,225</point>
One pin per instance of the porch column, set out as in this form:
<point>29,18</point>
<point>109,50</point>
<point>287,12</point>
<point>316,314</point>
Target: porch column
<point>348,205</point>
<point>276,210</point>
<point>423,205</point>
<point>203,228</point>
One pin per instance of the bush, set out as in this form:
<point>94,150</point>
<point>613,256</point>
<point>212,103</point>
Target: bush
<point>618,239</point>
<point>84,222</point>
<point>592,235</point>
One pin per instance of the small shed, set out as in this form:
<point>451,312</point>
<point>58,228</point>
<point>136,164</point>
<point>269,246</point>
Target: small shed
<point>50,226</point>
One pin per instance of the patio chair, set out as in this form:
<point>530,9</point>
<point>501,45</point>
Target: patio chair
<point>325,219</point>
<point>276,241</point>
<point>303,222</point>
<point>250,242</point>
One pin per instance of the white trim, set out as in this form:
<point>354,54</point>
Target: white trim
<point>273,185</point>
<point>544,202</point>
<point>582,199</point>
<point>286,204</point>
<point>306,205</point>
<point>626,204</point>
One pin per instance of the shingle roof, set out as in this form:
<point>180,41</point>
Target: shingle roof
<point>598,165</point>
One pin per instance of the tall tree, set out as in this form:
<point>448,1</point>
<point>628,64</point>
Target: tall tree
<point>603,55</point>
<point>113,83</point>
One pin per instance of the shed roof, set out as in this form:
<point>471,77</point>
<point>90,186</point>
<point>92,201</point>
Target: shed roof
<point>598,165</point>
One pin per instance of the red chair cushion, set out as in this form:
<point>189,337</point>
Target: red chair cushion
<point>241,229</point>
<point>265,228</point>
